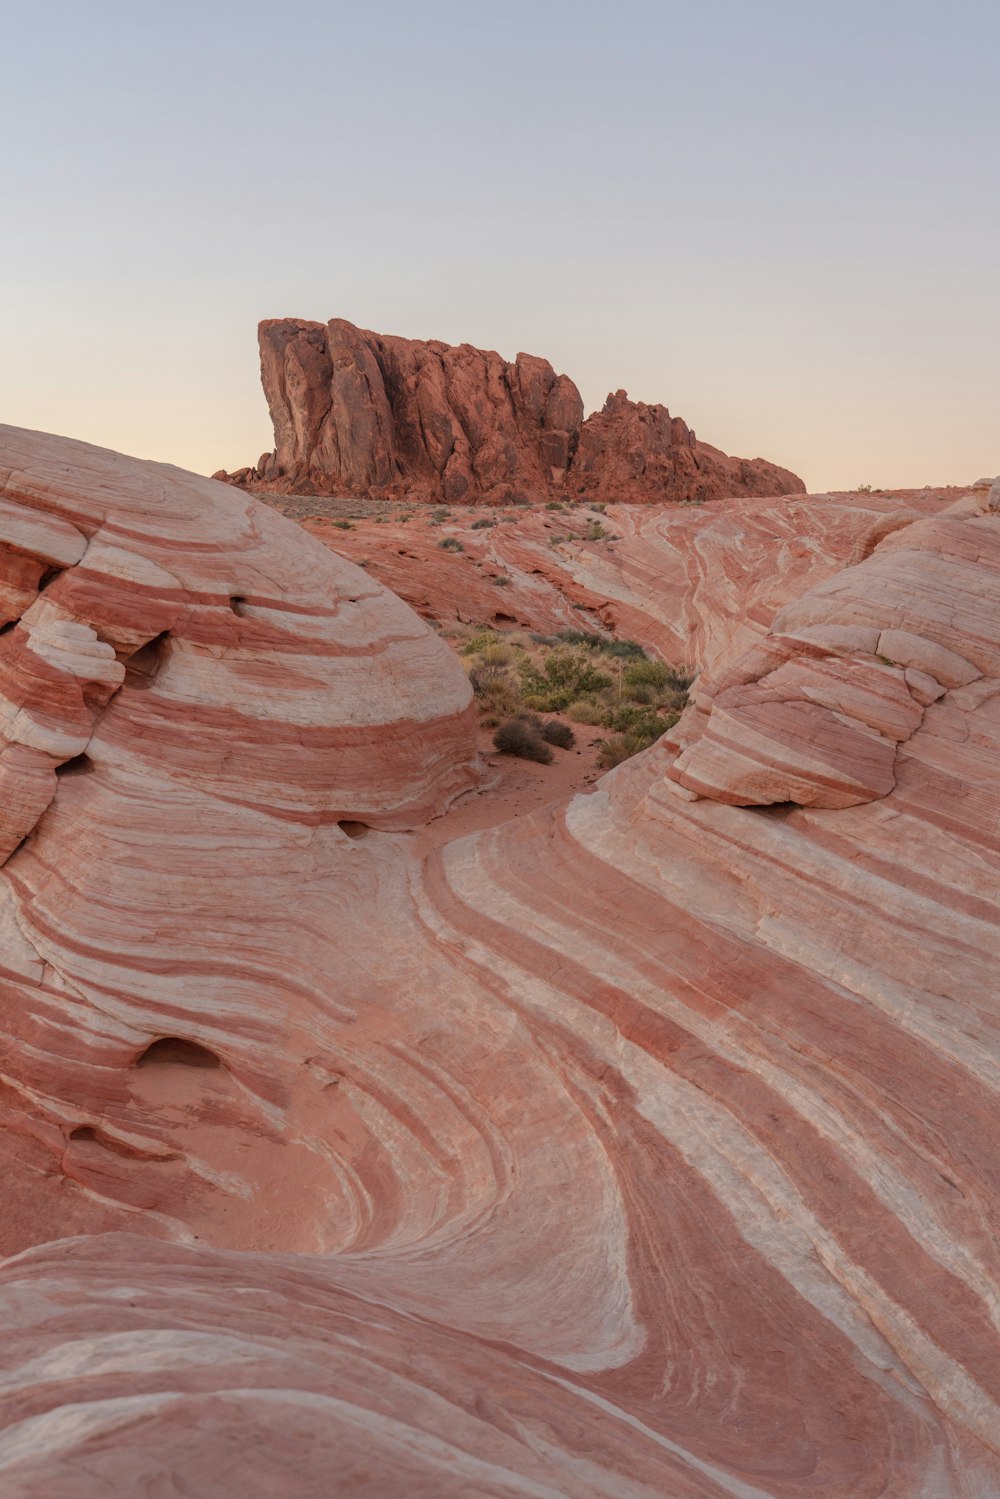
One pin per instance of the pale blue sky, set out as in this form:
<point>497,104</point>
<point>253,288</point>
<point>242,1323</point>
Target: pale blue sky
<point>781,219</point>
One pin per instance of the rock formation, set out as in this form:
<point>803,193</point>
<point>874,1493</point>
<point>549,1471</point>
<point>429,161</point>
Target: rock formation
<point>359,413</point>
<point>694,584</point>
<point>640,1147</point>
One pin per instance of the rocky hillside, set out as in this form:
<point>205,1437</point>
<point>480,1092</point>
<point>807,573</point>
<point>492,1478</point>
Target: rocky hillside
<point>360,413</point>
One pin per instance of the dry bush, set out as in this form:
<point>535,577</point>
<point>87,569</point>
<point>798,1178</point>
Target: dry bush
<point>559,734</point>
<point>500,654</point>
<point>585,710</point>
<point>517,736</point>
<point>620,747</point>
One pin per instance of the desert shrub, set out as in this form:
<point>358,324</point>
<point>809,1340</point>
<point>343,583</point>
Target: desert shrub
<point>559,734</point>
<point>517,736</point>
<point>480,525</point>
<point>451,544</point>
<point>598,505</point>
<point>497,691</point>
<point>565,676</point>
<point>497,653</point>
<point>656,674</point>
<point>618,748</point>
<point>501,580</point>
<point>595,532</point>
<point>555,504</point>
<point>479,643</point>
<point>636,718</point>
<point>483,678</point>
<point>602,643</point>
<point>342,525</point>
<point>585,710</point>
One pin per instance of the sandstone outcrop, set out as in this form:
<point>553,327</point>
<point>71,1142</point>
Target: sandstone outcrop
<point>360,413</point>
<point>640,1147</point>
<point>694,584</point>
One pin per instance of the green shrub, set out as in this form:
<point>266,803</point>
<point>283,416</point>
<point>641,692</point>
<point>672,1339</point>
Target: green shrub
<point>566,675</point>
<point>595,532</point>
<point>451,544</point>
<point>594,642</point>
<point>479,643</point>
<point>342,525</point>
<point>636,718</point>
<point>517,736</point>
<point>559,734</point>
<point>647,673</point>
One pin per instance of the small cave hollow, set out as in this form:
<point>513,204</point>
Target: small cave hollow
<point>83,1132</point>
<point>79,765</point>
<point>354,829</point>
<point>49,576</point>
<point>238,604</point>
<point>174,1051</point>
<point>143,665</point>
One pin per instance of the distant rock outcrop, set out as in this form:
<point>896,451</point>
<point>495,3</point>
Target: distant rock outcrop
<point>359,413</point>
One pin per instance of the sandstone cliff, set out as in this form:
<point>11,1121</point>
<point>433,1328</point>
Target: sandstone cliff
<point>359,413</point>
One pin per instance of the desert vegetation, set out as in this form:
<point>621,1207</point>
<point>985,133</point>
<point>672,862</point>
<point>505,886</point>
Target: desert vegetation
<point>581,676</point>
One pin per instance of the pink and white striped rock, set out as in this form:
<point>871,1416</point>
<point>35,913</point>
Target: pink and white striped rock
<point>692,583</point>
<point>640,1147</point>
<point>816,712</point>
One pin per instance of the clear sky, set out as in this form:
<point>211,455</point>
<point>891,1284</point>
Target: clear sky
<point>781,218</point>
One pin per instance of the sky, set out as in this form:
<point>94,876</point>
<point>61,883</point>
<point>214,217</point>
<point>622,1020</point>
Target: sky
<point>781,219</point>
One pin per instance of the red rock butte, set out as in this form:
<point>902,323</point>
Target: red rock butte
<point>641,1147</point>
<point>360,413</point>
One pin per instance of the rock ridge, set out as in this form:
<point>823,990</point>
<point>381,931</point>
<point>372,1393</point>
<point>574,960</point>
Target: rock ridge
<point>367,414</point>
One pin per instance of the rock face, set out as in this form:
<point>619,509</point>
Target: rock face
<point>815,714</point>
<point>640,1147</point>
<point>359,413</point>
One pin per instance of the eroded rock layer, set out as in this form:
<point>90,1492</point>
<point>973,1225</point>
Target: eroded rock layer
<point>639,1147</point>
<point>360,413</point>
<point>694,584</point>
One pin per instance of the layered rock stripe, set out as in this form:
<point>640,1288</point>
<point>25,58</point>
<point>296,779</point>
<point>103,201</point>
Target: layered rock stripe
<point>639,1147</point>
<point>693,584</point>
<point>361,413</point>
